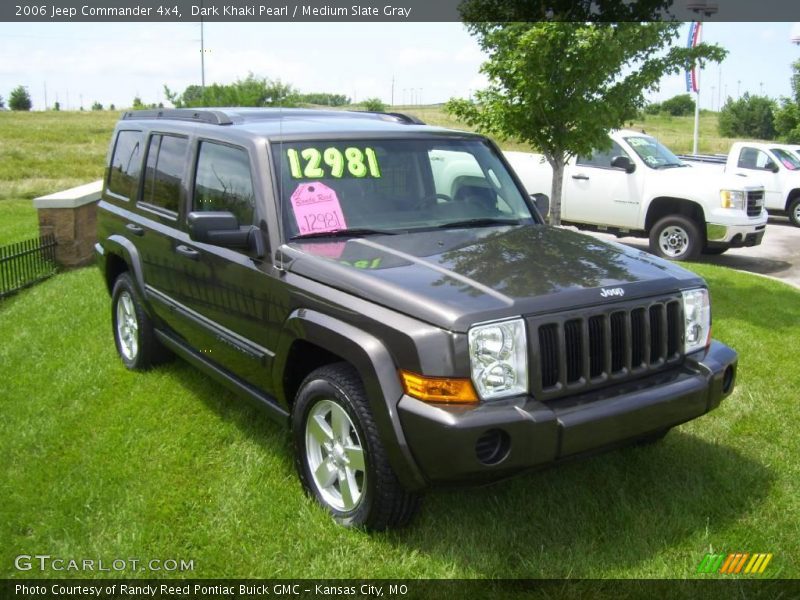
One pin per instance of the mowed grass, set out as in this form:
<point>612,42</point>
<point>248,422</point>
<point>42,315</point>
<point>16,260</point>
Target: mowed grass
<point>100,462</point>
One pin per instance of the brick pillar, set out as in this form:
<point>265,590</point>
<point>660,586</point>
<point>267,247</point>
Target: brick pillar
<point>70,215</point>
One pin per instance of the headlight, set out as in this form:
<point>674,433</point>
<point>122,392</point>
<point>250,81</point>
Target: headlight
<point>498,356</point>
<point>697,315</point>
<point>732,199</point>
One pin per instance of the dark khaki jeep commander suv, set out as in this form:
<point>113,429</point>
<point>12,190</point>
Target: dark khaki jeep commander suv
<point>389,292</point>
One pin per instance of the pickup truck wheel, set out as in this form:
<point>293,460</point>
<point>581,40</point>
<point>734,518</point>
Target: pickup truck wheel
<point>339,455</point>
<point>675,238</point>
<point>133,330</point>
<point>794,211</point>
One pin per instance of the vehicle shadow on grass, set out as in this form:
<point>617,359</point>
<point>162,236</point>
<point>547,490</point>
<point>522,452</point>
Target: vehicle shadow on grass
<point>597,517</point>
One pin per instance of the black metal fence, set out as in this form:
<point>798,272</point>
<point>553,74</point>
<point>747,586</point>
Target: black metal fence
<point>25,263</point>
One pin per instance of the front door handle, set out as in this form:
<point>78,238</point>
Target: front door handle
<point>581,176</point>
<point>187,252</point>
<point>134,229</point>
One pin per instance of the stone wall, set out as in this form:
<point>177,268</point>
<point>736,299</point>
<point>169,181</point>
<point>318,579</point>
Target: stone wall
<point>70,215</point>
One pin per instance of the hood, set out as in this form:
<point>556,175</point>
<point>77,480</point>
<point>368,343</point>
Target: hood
<point>454,278</point>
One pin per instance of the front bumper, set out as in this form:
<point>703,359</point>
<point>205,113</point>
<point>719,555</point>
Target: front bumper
<point>450,443</point>
<point>734,236</point>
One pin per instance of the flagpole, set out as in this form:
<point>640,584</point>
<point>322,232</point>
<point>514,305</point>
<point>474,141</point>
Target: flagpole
<point>696,113</point>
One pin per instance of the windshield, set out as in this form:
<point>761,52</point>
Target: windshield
<point>653,153</point>
<point>788,159</point>
<point>389,186</point>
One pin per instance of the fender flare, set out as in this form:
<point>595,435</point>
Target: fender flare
<point>125,249</point>
<point>378,373</point>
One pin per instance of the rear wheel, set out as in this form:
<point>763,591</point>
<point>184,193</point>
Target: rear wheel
<point>794,211</point>
<point>675,238</point>
<point>339,455</point>
<point>133,329</point>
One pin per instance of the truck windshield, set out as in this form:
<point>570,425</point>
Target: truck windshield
<point>788,159</point>
<point>654,154</point>
<point>388,186</point>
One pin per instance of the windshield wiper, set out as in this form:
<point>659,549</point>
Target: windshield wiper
<point>482,222</point>
<point>354,232</point>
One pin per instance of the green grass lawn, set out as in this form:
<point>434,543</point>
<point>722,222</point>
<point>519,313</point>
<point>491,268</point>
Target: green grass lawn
<point>100,462</point>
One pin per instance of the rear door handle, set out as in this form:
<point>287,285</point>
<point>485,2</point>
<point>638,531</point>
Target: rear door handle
<point>134,229</point>
<point>581,176</point>
<point>187,252</point>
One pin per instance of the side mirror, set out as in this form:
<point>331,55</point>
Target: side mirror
<point>221,228</point>
<point>624,163</point>
<point>542,203</point>
<point>771,166</point>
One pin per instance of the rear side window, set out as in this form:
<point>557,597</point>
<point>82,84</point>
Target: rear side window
<point>126,164</point>
<point>223,181</point>
<point>166,157</point>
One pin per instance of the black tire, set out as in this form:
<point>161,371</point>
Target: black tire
<point>136,342</point>
<point>715,251</point>
<point>676,238</point>
<point>794,211</point>
<point>371,498</point>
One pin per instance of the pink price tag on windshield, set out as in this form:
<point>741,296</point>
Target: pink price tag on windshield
<point>317,209</point>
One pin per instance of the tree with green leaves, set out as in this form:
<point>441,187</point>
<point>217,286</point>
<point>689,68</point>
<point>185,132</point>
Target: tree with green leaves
<point>678,106</point>
<point>2,102</point>
<point>749,116</point>
<point>562,86</point>
<point>20,99</point>
<point>250,91</point>
<point>787,117</point>
<point>374,105</point>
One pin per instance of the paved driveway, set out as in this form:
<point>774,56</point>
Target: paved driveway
<point>778,255</point>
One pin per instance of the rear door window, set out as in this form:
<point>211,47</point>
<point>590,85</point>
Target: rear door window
<point>126,164</point>
<point>166,156</point>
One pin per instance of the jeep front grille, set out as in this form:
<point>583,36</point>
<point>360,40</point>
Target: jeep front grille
<point>575,352</point>
<point>755,201</point>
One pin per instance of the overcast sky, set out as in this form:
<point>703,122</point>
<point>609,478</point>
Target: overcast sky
<point>429,62</point>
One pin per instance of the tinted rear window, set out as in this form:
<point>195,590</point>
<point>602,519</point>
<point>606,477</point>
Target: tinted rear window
<point>126,164</point>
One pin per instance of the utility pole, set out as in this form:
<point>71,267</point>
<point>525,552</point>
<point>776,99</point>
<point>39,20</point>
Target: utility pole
<point>202,56</point>
<point>45,95</point>
<point>392,90</point>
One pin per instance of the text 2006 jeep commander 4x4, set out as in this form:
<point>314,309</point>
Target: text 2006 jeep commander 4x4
<point>390,292</point>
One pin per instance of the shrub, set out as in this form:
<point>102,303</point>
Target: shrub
<point>749,116</point>
<point>374,105</point>
<point>20,99</point>
<point>678,106</point>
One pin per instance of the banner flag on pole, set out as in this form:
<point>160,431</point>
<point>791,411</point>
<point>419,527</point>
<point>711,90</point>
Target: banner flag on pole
<point>691,74</point>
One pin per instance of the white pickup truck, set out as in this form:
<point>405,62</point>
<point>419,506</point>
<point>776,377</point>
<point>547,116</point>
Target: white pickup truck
<point>640,188</point>
<point>775,166</point>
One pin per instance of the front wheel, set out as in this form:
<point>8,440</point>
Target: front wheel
<point>675,238</point>
<point>339,455</point>
<point>794,211</point>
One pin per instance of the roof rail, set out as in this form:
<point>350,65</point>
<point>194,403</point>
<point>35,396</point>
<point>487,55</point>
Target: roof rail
<point>409,119</point>
<point>213,117</point>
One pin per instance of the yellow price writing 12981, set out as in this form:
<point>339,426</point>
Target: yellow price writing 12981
<point>312,163</point>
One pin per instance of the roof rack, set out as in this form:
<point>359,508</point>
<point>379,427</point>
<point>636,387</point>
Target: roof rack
<point>213,117</point>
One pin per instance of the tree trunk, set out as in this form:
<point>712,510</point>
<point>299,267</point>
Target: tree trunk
<point>557,162</point>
